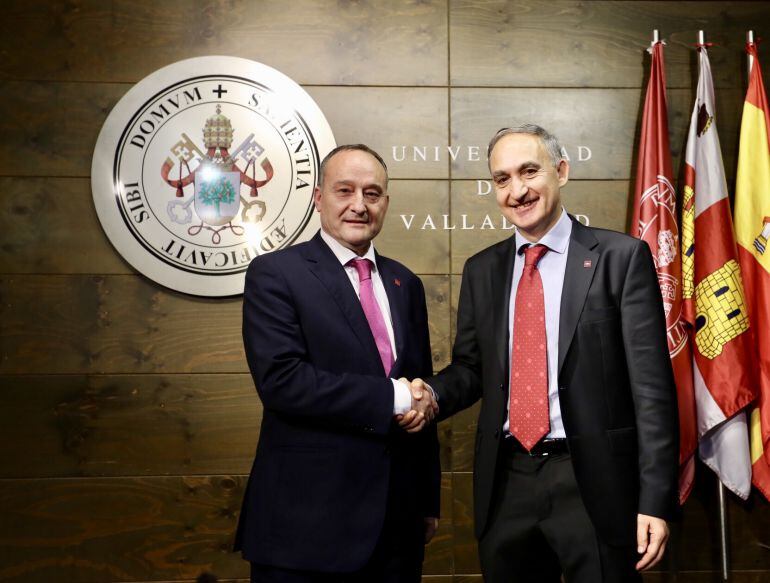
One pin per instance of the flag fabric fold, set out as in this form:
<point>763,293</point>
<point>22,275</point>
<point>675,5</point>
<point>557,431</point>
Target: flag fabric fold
<point>714,304</point>
<point>752,232</point>
<point>655,221</point>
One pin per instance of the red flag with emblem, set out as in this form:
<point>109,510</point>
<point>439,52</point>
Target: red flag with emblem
<point>655,221</point>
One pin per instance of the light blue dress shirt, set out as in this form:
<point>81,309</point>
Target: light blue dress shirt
<point>551,267</point>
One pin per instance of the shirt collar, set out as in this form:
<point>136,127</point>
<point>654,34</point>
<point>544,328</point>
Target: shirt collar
<point>345,255</point>
<point>556,239</point>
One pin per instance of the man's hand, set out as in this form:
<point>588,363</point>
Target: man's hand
<point>431,526</point>
<point>424,407</point>
<point>651,537</point>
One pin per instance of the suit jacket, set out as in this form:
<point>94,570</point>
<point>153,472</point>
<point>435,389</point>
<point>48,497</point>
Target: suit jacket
<point>616,385</point>
<point>330,457</point>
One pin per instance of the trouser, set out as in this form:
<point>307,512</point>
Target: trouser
<point>397,558</point>
<point>539,528</point>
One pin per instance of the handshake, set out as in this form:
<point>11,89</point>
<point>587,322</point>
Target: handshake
<point>424,406</point>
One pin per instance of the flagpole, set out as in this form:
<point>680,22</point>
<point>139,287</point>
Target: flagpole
<point>725,560</point>
<point>750,39</point>
<point>655,36</point>
<point>723,529</point>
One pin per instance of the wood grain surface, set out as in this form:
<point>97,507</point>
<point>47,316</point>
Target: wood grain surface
<point>593,44</point>
<point>119,529</point>
<point>333,43</point>
<point>137,425</point>
<point>603,121</point>
<point>126,324</point>
<point>387,118</point>
<point>37,139</point>
<point>50,226</point>
<point>128,419</point>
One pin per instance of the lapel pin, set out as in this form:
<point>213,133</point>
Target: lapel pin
<point>397,282</point>
<point>587,263</point>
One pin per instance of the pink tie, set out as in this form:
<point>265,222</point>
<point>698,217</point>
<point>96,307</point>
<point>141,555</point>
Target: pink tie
<point>528,407</point>
<point>373,312</point>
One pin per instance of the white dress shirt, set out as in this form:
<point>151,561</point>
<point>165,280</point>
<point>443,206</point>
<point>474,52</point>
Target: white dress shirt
<point>402,397</point>
<point>551,267</point>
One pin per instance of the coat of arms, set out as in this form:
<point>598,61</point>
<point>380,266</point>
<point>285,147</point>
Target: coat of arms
<point>217,180</point>
<point>206,164</point>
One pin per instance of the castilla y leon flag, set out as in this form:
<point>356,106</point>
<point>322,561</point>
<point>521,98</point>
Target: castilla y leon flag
<point>714,302</point>
<point>752,231</point>
<point>655,222</point>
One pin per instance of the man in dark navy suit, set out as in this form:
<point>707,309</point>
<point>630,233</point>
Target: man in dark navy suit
<point>344,487</point>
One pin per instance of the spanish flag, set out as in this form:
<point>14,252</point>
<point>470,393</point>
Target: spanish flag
<point>752,232</point>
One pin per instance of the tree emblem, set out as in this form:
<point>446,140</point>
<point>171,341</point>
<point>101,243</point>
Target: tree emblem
<point>215,192</point>
<point>217,178</point>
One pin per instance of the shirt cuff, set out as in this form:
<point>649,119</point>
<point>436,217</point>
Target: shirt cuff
<point>402,398</point>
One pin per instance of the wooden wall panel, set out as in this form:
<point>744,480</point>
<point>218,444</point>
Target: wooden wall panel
<point>127,529</point>
<point>401,236</point>
<point>605,204</point>
<point>384,117</point>
<point>126,324</point>
<point>606,121</point>
<point>345,43</point>
<point>466,559</point>
<point>455,298</point>
<point>117,425</point>
<point>478,223</point>
<point>750,533</point>
<point>50,129</point>
<point>464,438</point>
<point>135,529</point>
<point>49,225</point>
<point>695,539</point>
<point>59,141</point>
<point>128,418</point>
<point>115,323</point>
<point>592,44</point>
<point>437,296</point>
<point>438,554</point>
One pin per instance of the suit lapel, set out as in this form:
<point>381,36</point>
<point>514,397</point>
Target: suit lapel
<point>324,265</point>
<point>581,266</point>
<point>501,276</point>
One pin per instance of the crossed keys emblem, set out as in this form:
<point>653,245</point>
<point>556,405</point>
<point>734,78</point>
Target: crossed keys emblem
<point>217,178</point>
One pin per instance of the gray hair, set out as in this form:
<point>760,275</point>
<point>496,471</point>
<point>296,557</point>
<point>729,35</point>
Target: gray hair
<point>551,142</point>
<point>350,148</point>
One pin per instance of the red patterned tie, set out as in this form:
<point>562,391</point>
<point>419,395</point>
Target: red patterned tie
<point>528,407</point>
